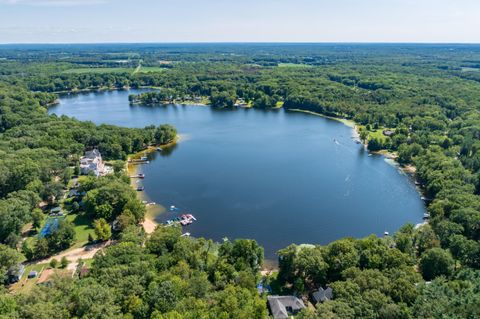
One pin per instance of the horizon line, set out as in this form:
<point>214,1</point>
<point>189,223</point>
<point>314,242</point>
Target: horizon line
<point>239,42</point>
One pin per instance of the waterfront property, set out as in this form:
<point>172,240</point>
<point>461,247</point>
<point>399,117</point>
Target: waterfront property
<point>92,162</point>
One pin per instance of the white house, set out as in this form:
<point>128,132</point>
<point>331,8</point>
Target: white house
<point>92,162</point>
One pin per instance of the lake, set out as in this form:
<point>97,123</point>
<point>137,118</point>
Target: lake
<point>275,176</point>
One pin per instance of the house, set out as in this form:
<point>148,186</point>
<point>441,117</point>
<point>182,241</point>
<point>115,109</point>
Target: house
<point>57,211</point>
<point>75,193</point>
<point>15,273</point>
<point>282,307</point>
<point>92,162</point>
<point>322,295</point>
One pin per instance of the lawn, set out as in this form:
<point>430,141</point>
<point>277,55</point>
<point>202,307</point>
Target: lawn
<point>83,226</point>
<point>150,69</point>
<point>26,284</point>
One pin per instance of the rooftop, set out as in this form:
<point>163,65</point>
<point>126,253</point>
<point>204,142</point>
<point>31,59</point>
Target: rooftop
<point>282,307</point>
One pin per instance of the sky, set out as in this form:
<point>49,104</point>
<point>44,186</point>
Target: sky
<point>95,21</point>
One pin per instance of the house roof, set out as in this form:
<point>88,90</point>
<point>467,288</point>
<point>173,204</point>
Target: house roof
<point>322,294</point>
<point>16,270</point>
<point>92,154</point>
<point>279,304</point>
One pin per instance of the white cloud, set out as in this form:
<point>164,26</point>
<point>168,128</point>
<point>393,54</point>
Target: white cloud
<point>53,3</point>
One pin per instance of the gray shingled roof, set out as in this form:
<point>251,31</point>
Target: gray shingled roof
<point>322,294</point>
<point>279,304</point>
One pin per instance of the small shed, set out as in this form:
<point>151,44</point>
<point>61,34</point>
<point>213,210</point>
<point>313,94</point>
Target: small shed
<point>322,295</point>
<point>32,274</point>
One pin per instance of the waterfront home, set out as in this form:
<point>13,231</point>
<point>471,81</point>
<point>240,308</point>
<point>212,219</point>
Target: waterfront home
<point>322,295</point>
<point>92,162</point>
<point>282,307</point>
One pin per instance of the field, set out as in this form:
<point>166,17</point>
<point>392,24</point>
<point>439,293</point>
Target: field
<point>150,69</point>
<point>142,69</point>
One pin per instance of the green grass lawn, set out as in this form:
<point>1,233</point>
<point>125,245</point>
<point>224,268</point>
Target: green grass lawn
<point>378,133</point>
<point>83,226</point>
<point>26,284</point>
<point>150,69</point>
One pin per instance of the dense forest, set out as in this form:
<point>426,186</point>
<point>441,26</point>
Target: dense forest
<point>427,96</point>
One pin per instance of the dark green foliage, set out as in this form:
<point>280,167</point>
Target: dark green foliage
<point>436,262</point>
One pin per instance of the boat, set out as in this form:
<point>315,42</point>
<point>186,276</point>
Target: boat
<point>143,158</point>
<point>190,216</point>
<point>426,216</point>
<point>159,149</point>
<point>140,188</point>
<point>173,207</point>
<point>141,175</point>
<point>186,235</point>
<point>386,233</point>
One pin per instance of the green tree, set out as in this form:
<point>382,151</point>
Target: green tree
<point>53,263</point>
<point>436,262</point>
<point>102,228</point>
<point>64,262</point>
<point>8,257</point>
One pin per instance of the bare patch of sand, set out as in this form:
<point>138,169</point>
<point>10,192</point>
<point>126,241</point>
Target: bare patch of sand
<point>149,225</point>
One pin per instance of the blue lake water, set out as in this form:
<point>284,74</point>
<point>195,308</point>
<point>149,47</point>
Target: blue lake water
<point>276,176</point>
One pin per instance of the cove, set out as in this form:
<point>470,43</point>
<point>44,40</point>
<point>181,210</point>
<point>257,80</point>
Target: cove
<point>275,176</point>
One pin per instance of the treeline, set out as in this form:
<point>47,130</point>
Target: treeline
<point>164,276</point>
<point>376,278</point>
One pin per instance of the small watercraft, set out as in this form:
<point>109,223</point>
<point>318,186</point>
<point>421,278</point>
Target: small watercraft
<point>386,233</point>
<point>140,188</point>
<point>159,149</point>
<point>143,158</point>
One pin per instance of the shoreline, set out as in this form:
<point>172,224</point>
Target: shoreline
<point>408,169</point>
<point>149,224</point>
